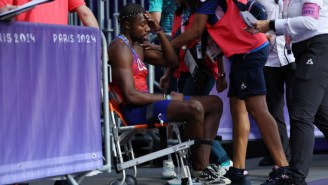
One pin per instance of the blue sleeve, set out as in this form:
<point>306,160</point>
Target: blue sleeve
<point>207,7</point>
<point>155,5</point>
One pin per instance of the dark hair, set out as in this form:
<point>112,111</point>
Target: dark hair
<point>129,11</point>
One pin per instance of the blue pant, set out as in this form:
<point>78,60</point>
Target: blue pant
<point>219,152</point>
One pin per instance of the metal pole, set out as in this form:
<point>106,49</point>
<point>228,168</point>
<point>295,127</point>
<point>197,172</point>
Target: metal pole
<point>90,5</point>
<point>151,78</point>
<point>115,6</point>
<point>108,30</point>
<point>100,15</point>
<point>106,81</point>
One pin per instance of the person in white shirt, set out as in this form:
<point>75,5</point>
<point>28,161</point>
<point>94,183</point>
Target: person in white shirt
<point>305,25</point>
<point>278,72</point>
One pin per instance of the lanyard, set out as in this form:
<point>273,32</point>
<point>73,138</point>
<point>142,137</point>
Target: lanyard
<point>281,9</point>
<point>288,39</point>
<point>184,19</point>
<point>286,4</point>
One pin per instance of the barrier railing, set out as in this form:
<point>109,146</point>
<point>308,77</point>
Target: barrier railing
<point>50,102</point>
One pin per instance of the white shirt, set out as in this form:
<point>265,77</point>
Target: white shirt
<point>278,56</point>
<point>300,27</point>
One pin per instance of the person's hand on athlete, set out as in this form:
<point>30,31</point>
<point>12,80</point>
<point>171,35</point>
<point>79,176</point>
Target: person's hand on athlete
<point>150,46</point>
<point>221,84</point>
<point>262,26</point>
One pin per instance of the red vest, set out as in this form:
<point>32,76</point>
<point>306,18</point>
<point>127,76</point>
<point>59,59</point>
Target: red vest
<point>182,67</point>
<point>230,35</point>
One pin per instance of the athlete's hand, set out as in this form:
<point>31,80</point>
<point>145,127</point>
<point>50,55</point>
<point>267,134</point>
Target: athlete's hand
<point>152,22</point>
<point>176,96</point>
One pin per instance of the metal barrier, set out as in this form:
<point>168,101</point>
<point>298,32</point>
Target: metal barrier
<point>46,120</point>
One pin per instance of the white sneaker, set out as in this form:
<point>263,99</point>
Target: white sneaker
<point>168,170</point>
<point>220,172</point>
<point>175,181</point>
<point>225,180</point>
<point>209,176</point>
<point>218,169</point>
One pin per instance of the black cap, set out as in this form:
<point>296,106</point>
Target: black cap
<point>257,10</point>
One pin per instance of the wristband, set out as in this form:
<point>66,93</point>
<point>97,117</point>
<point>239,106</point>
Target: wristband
<point>167,97</point>
<point>272,25</point>
<point>222,75</point>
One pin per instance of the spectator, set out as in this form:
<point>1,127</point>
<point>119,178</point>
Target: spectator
<point>180,79</point>
<point>304,24</point>
<point>163,10</point>
<point>248,54</point>
<point>55,12</point>
<point>129,82</point>
<point>278,74</point>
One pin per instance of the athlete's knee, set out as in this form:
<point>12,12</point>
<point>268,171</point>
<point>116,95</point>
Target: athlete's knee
<point>196,110</point>
<point>196,107</point>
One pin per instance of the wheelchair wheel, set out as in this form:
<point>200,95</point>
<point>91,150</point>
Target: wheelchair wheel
<point>116,182</point>
<point>130,180</point>
<point>62,182</point>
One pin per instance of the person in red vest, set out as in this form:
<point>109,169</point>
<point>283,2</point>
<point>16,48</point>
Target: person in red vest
<point>248,54</point>
<point>200,81</point>
<point>55,12</point>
